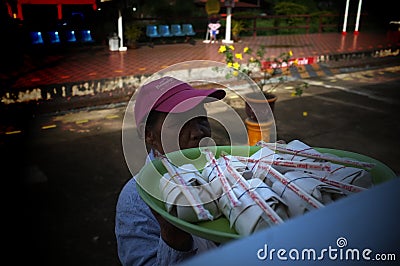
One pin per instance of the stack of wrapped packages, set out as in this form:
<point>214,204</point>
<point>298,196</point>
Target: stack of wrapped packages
<point>278,182</point>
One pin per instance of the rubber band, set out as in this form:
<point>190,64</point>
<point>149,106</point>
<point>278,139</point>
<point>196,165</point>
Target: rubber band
<point>339,168</point>
<point>291,181</point>
<point>212,170</point>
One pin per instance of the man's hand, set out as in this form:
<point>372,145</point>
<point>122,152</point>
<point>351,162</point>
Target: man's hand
<point>172,235</point>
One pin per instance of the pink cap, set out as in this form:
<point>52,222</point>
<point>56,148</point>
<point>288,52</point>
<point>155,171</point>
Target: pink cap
<point>169,94</point>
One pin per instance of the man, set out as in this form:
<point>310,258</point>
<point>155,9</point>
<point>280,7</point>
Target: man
<point>170,115</point>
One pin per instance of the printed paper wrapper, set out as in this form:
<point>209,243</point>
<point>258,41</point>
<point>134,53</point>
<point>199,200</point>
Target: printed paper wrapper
<point>346,174</point>
<point>319,190</point>
<point>247,218</point>
<point>175,201</point>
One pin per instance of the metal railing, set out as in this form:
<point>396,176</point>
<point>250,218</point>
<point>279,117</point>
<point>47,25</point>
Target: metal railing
<point>259,25</point>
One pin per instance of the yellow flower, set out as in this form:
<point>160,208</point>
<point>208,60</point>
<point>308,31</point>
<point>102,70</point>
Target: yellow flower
<point>257,62</point>
<point>305,113</point>
<point>236,65</point>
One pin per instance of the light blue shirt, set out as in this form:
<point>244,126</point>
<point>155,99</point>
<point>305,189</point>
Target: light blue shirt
<point>138,233</point>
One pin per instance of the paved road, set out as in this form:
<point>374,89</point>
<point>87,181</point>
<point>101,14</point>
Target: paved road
<point>74,165</point>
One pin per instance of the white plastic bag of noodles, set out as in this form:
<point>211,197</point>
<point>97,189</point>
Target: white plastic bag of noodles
<point>236,164</point>
<point>321,191</point>
<point>345,174</point>
<point>209,170</point>
<point>278,204</point>
<point>247,218</point>
<point>262,154</point>
<point>210,173</point>
<point>175,201</point>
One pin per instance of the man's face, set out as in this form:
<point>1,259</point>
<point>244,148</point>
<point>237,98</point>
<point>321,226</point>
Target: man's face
<point>182,131</point>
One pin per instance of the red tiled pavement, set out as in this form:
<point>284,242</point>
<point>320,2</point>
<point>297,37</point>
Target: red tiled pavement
<point>94,63</point>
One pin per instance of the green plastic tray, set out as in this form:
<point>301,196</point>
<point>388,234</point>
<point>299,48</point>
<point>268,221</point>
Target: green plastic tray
<point>219,230</point>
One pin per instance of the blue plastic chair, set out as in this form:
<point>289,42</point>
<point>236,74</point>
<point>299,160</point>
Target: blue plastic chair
<point>86,36</point>
<point>188,29</point>
<point>152,31</point>
<point>53,37</point>
<point>70,36</point>
<point>164,31</point>
<point>176,30</point>
<point>36,37</point>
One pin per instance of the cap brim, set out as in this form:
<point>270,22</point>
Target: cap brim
<point>186,100</point>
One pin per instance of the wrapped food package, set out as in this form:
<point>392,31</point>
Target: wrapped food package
<point>321,191</point>
<point>340,172</point>
<point>248,217</point>
<point>178,204</point>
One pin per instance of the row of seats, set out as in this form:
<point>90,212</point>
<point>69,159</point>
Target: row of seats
<point>53,37</point>
<point>175,30</point>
